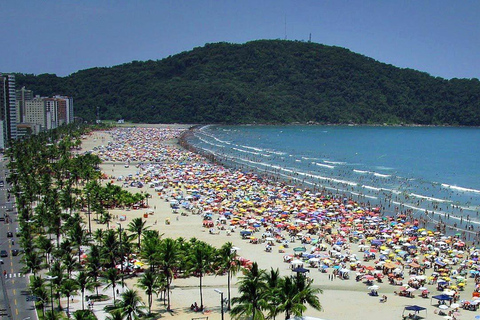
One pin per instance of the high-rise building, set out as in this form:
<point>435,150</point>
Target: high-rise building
<point>35,112</point>
<point>22,96</point>
<point>65,109</point>
<point>49,113</point>
<point>8,112</point>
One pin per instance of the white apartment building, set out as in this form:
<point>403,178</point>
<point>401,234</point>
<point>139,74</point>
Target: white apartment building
<point>35,112</point>
<point>49,113</point>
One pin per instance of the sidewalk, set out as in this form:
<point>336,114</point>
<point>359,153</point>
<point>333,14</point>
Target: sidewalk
<point>98,306</point>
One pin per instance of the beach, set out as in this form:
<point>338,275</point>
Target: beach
<point>142,158</point>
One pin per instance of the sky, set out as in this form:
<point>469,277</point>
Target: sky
<point>61,37</point>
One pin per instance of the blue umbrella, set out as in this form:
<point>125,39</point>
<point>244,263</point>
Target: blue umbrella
<point>300,270</point>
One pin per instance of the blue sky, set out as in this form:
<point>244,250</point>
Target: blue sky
<point>439,37</point>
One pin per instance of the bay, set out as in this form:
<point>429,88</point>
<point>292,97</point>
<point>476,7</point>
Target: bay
<point>436,169</point>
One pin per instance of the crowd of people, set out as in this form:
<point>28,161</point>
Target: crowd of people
<point>319,230</point>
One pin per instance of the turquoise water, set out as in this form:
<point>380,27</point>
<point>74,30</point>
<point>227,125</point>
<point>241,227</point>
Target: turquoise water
<point>397,168</point>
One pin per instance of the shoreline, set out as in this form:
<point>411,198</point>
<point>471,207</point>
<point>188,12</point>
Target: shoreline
<point>435,219</point>
<point>337,293</point>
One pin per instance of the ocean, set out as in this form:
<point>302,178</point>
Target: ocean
<point>433,169</point>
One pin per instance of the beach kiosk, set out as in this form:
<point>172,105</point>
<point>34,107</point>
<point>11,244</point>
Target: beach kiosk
<point>413,312</point>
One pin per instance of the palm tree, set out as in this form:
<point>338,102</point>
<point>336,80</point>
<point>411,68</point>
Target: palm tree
<point>137,226</point>
<point>70,263</point>
<point>78,236</point>
<point>110,250</point>
<point>227,261</point>
<point>51,315</point>
<point>110,277</point>
<point>272,280</point>
<point>68,288</point>
<point>44,245</point>
<point>94,265</point>
<point>115,314</point>
<point>308,294</point>
<point>32,262</point>
<point>150,248</point>
<point>169,257</point>
<point>36,282</point>
<point>106,218</point>
<point>130,304</point>
<point>151,283</point>
<point>252,289</point>
<point>42,296</point>
<point>84,315</point>
<point>56,271</point>
<point>200,262</point>
<point>37,288</point>
<point>84,282</point>
<point>98,235</point>
<point>294,292</point>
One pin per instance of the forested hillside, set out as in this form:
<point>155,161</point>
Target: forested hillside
<point>266,81</point>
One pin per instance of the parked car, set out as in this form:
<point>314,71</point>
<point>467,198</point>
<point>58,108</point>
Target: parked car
<point>9,234</point>
<point>3,253</point>
<point>15,252</point>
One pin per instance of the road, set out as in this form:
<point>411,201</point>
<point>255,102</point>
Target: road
<point>13,284</point>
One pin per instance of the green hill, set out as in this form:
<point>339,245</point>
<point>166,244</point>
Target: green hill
<point>266,81</point>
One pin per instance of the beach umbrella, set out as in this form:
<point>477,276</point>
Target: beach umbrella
<point>374,287</point>
<point>300,249</point>
<point>296,262</point>
<point>300,270</point>
<point>443,307</point>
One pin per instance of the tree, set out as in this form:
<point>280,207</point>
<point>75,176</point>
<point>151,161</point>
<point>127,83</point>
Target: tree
<point>37,288</point>
<point>294,292</point>
<point>84,282</point>
<point>94,265</point>
<point>227,261</point>
<point>68,288</point>
<point>84,315</point>
<point>44,245</point>
<point>169,257</point>
<point>130,304</point>
<point>56,271</point>
<point>32,261</point>
<point>115,314</point>
<point>252,289</point>
<point>137,226</point>
<point>70,263</point>
<point>308,294</point>
<point>151,283</point>
<point>200,261</point>
<point>110,277</point>
<point>110,250</point>
<point>272,280</point>
<point>151,248</point>
<point>78,236</point>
